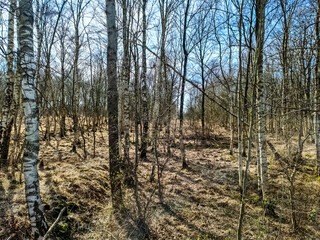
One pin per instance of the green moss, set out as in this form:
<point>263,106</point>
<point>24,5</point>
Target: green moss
<point>63,228</point>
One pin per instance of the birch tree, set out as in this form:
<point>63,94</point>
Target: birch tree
<point>31,150</point>
<point>112,102</point>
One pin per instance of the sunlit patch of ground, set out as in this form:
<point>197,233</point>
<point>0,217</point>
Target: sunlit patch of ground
<point>201,202</point>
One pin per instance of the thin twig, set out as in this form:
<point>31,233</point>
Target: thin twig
<point>54,224</point>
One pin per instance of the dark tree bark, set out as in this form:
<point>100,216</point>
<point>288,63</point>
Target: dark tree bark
<point>112,102</point>
<point>185,63</point>
<point>262,144</point>
<point>145,115</point>
<point>7,115</point>
<point>317,95</point>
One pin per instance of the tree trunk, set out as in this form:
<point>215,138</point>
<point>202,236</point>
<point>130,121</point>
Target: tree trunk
<point>38,21</point>
<point>317,93</point>
<point>30,157</point>
<point>112,102</point>
<point>285,70</point>
<point>125,92</point>
<point>145,117</point>
<point>77,12</point>
<point>260,29</point>
<point>76,91</point>
<point>239,97</point>
<point>7,115</point>
<point>185,63</point>
<point>158,88</point>
<point>62,101</point>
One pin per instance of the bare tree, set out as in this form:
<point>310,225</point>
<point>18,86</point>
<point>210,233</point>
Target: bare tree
<point>7,116</point>
<point>62,34</point>
<point>114,158</point>
<point>77,14</point>
<point>317,93</point>
<point>125,94</point>
<point>31,150</point>
<point>262,144</point>
<point>144,88</point>
<point>184,75</point>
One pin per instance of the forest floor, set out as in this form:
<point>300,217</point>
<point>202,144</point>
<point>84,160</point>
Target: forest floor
<point>200,203</point>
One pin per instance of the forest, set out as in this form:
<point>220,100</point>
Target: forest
<point>159,119</point>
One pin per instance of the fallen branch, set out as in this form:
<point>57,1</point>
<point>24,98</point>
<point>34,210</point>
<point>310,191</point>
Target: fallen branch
<point>54,224</point>
<point>277,156</point>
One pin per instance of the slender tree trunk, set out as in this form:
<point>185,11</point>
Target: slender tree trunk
<point>30,158</point>
<point>170,109</point>
<point>158,88</point>
<point>62,101</point>
<point>231,123</point>
<point>203,86</point>
<point>260,29</point>
<point>185,63</point>
<point>240,116</point>
<point>46,99</point>
<point>38,22</point>
<point>145,115</point>
<point>317,93</point>
<point>285,70</point>
<point>136,127</point>
<point>244,182</point>
<point>8,109</point>
<point>114,156</point>
<point>76,81</point>
<point>48,80</point>
<point>125,91</point>
<point>76,91</point>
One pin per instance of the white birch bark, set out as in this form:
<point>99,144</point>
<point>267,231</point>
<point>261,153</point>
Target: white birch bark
<point>30,157</point>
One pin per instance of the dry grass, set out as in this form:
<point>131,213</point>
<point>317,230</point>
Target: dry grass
<point>199,203</point>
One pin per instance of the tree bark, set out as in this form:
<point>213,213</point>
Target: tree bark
<point>239,97</point>
<point>260,29</point>
<point>62,101</point>
<point>8,109</point>
<point>317,93</point>
<point>158,87</point>
<point>76,81</point>
<point>30,158</point>
<point>145,115</point>
<point>112,102</point>
<point>125,91</point>
<point>185,63</point>
<point>285,70</point>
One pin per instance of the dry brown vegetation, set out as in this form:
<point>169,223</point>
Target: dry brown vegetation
<point>199,203</point>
